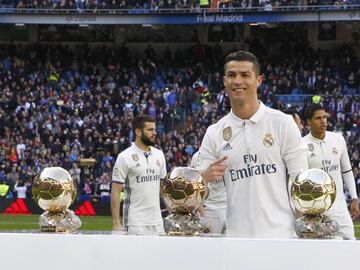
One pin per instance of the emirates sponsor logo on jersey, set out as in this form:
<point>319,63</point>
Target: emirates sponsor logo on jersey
<point>227,133</point>
<point>135,157</point>
<point>328,167</point>
<point>149,176</point>
<point>335,151</point>
<point>268,140</point>
<point>252,168</point>
<point>311,147</point>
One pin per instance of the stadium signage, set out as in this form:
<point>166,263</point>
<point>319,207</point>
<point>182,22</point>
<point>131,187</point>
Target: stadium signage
<point>80,18</point>
<point>219,18</point>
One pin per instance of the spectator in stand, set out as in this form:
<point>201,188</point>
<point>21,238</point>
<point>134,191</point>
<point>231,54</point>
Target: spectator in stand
<point>20,189</point>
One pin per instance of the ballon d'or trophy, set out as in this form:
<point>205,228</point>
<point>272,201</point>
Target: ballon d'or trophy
<point>54,190</point>
<point>313,192</point>
<point>183,191</point>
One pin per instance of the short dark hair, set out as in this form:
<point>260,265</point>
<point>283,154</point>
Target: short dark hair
<point>292,111</point>
<point>311,109</point>
<point>241,56</point>
<point>139,121</point>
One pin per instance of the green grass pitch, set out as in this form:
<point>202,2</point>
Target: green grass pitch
<point>89,223</point>
<point>31,222</point>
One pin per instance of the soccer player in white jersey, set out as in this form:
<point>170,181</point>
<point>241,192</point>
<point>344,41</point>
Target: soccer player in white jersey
<point>139,169</point>
<point>327,151</point>
<point>214,205</point>
<point>253,148</point>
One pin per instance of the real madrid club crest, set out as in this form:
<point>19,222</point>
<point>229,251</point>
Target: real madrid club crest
<point>135,157</point>
<point>227,133</point>
<point>335,151</point>
<point>268,140</point>
<point>311,147</point>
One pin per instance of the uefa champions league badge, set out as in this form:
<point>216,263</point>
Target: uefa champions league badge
<point>227,133</point>
<point>158,162</point>
<point>135,157</point>
<point>311,147</point>
<point>268,140</point>
<point>335,151</point>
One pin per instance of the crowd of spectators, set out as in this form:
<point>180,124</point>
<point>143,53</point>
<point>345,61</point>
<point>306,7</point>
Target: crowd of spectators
<point>192,5</point>
<point>60,105</point>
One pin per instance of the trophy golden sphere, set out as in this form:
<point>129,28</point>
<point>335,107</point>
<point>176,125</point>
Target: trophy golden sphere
<point>183,189</point>
<point>54,189</point>
<point>313,192</point>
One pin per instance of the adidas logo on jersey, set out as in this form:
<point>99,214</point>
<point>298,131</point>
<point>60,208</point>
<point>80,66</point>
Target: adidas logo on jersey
<point>227,147</point>
<point>312,155</point>
<point>138,165</point>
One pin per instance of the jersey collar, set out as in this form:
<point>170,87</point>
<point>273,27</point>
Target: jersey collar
<point>318,140</point>
<point>255,118</point>
<point>140,150</point>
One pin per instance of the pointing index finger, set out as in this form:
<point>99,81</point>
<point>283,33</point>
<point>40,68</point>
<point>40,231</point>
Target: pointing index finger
<point>219,161</point>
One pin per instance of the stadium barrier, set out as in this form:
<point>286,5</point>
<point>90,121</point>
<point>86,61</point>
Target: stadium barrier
<point>28,207</point>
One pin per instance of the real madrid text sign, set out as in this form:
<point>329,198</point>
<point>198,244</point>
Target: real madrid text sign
<point>219,18</point>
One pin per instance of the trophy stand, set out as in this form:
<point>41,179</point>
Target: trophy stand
<point>314,227</point>
<point>65,221</point>
<point>185,224</point>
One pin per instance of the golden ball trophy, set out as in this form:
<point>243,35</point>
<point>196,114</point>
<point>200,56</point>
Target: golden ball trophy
<point>183,191</point>
<point>313,192</point>
<point>54,190</point>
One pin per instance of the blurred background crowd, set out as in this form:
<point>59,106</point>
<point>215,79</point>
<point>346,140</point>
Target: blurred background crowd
<point>194,5</point>
<point>72,106</point>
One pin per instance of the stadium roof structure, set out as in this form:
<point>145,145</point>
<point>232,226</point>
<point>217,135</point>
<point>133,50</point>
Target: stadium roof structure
<point>179,16</point>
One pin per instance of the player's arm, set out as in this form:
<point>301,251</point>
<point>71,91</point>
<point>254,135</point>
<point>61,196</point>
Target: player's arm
<point>115,198</point>
<point>293,149</point>
<point>211,167</point>
<point>118,178</point>
<point>215,171</point>
<point>349,181</point>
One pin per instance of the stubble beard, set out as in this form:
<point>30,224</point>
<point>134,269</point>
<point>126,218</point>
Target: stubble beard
<point>146,140</point>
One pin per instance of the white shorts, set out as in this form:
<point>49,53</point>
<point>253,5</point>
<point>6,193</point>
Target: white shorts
<point>217,224</point>
<point>216,218</point>
<point>145,230</point>
<point>346,230</point>
<point>343,218</point>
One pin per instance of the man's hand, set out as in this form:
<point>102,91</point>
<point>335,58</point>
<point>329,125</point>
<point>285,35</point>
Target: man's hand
<point>117,227</point>
<point>354,209</point>
<point>215,171</point>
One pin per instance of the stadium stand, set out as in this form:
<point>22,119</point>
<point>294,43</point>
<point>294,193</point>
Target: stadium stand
<point>62,105</point>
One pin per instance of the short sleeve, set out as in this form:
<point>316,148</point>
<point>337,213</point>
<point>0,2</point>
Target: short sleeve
<point>120,170</point>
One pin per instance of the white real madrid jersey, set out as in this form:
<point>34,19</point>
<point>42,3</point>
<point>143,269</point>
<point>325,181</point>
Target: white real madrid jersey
<point>330,155</point>
<point>215,203</point>
<point>261,151</point>
<point>140,172</point>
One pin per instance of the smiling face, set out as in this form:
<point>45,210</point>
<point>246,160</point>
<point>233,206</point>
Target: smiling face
<point>241,82</point>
